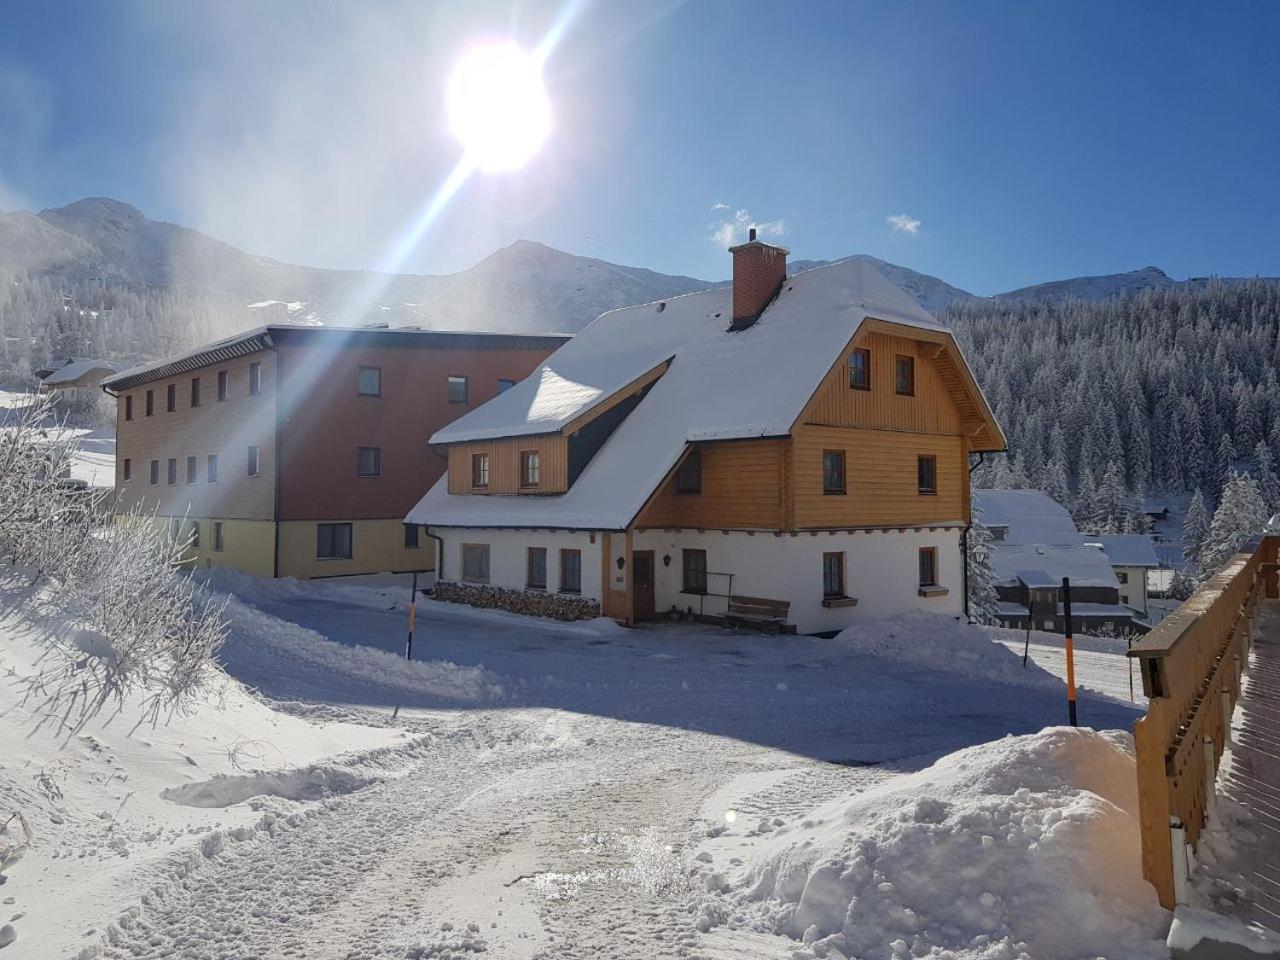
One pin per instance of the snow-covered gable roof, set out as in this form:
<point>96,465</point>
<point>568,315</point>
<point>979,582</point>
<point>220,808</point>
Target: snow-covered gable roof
<point>720,385</point>
<point>1128,549</point>
<point>73,370</point>
<point>1030,516</point>
<point>1044,565</point>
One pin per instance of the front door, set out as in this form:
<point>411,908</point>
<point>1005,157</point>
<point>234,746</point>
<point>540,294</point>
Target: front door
<point>642,584</point>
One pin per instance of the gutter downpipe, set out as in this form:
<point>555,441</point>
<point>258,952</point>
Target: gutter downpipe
<point>439,552</point>
<point>275,507</point>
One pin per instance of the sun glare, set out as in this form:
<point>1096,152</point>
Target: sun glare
<point>497,105</point>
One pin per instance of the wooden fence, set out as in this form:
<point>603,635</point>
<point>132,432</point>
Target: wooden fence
<point>1191,669</point>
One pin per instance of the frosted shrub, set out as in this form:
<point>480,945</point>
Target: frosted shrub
<point>123,579</point>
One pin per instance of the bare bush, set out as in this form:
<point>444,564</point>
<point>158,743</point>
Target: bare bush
<point>123,579</point>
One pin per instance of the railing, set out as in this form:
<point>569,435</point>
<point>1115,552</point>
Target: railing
<point>1192,663</point>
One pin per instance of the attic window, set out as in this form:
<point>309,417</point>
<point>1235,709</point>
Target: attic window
<point>689,476</point>
<point>905,380</point>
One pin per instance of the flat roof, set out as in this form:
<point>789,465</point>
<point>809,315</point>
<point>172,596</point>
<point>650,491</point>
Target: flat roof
<point>262,338</point>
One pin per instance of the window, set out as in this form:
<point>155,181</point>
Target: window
<point>998,533</point>
<point>530,468</point>
<point>695,572</point>
<point>411,536</point>
<point>1122,576</point>
<point>535,577</point>
<point>505,385</point>
<point>458,390</point>
<point>255,378</point>
<point>833,574</point>
<point>217,535</point>
<point>479,469</point>
<point>1046,625</point>
<point>191,469</point>
<point>151,402</point>
<point>570,571</point>
<point>860,369</point>
<point>195,391</point>
<point>369,382</point>
<point>926,474</point>
<point>904,383</point>
<point>689,476</point>
<point>155,472</point>
<point>333,541</point>
<point>175,528</point>
<point>128,469</point>
<point>195,534</point>
<point>475,562</point>
<point>928,566</point>
<point>253,461</point>
<point>222,384</point>
<point>833,471</point>
<point>1044,595</point>
<point>173,470</point>
<point>171,397</point>
<point>368,461</point>
<point>128,407</point>
<point>211,470</point>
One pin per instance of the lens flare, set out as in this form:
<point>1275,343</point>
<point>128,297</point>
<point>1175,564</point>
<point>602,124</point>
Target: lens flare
<point>497,105</point>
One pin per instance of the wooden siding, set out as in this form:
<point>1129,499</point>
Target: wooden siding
<point>504,464</point>
<point>615,603</point>
<point>931,409</point>
<point>880,478</point>
<point>742,488</point>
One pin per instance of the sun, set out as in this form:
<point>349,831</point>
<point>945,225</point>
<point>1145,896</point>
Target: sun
<point>497,105</point>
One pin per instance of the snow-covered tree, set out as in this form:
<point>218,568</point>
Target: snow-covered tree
<point>983,601</point>
<point>1182,585</point>
<point>1112,510</point>
<point>1240,514</point>
<point>1265,472</point>
<point>1195,528</point>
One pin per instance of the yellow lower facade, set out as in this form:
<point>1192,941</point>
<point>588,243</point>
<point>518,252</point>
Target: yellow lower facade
<point>377,546</point>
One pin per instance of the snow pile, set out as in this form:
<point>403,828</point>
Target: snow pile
<point>938,643</point>
<point>1026,847</point>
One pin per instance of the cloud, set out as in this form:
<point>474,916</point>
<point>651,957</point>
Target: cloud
<point>734,229</point>
<point>903,223</point>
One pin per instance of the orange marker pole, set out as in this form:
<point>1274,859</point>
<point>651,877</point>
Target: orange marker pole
<point>413,613</point>
<point>1071,651</point>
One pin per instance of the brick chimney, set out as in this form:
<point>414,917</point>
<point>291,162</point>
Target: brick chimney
<point>759,270</point>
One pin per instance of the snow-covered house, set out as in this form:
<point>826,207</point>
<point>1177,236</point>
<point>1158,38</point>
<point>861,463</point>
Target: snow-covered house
<point>77,379</point>
<point>788,449</point>
<point>1035,545</point>
<point>1132,556</point>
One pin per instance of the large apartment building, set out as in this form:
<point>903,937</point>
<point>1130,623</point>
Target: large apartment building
<point>790,449</point>
<point>296,451</point>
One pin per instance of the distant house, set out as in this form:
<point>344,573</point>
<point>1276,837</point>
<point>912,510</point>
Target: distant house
<point>77,379</point>
<point>787,450</point>
<point>1156,511</point>
<point>1036,544</point>
<point>1132,557</point>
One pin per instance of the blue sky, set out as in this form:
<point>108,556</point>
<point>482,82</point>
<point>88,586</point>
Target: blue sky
<point>1014,142</point>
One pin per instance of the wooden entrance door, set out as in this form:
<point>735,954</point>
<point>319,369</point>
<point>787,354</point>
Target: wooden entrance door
<point>642,584</point>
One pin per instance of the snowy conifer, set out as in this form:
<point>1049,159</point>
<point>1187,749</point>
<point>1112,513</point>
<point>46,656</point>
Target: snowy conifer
<point>1195,528</point>
<point>1265,471</point>
<point>1240,514</point>
<point>983,601</point>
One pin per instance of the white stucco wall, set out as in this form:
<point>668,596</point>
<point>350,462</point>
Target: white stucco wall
<point>1134,593</point>
<point>881,571</point>
<point>507,555</point>
<point>881,568</point>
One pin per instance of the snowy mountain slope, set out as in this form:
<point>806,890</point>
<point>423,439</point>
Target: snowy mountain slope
<point>931,293</point>
<point>1094,288</point>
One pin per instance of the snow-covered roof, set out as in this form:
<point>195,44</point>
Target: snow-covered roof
<point>1044,565</point>
<point>73,370</point>
<point>720,385</point>
<point>1029,515</point>
<point>1127,549</point>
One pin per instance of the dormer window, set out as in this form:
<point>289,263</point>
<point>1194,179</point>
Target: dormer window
<point>480,470</point>
<point>689,476</point>
<point>904,384</point>
<point>530,468</point>
<point>860,369</point>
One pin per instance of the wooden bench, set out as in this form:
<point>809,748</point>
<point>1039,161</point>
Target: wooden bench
<point>758,610</point>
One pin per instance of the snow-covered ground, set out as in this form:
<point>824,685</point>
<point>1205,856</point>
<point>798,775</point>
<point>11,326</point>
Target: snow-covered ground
<point>95,457</point>
<point>528,788</point>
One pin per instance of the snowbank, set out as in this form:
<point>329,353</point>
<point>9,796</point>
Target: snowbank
<point>1026,847</point>
<point>940,643</point>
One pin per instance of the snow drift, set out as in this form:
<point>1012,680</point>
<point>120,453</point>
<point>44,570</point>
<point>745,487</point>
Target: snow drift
<point>938,643</point>
<point>1026,847</point>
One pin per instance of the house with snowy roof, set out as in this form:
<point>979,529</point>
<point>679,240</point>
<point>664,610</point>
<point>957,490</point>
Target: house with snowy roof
<point>792,451</point>
<point>77,379</point>
<point>1035,544</point>
<point>1132,556</point>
